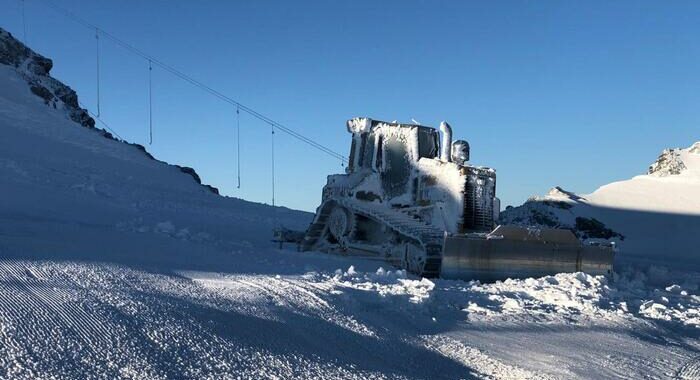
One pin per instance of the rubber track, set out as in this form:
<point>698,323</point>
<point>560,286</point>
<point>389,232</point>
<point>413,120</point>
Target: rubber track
<point>430,238</point>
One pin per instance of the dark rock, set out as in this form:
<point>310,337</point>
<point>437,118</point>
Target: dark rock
<point>12,52</point>
<point>212,189</point>
<point>559,204</point>
<point>81,117</point>
<point>190,171</point>
<point>593,228</point>
<point>543,219</point>
<point>41,65</point>
<point>142,149</point>
<point>42,92</point>
<point>193,173</point>
<point>67,96</point>
<point>38,67</point>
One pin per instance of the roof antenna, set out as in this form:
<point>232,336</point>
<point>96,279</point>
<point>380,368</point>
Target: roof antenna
<point>415,121</point>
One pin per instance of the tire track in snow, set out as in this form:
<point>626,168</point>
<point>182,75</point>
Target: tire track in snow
<point>55,294</point>
<point>54,327</point>
<point>301,296</point>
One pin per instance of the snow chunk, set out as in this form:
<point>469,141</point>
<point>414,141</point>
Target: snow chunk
<point>166,227</point>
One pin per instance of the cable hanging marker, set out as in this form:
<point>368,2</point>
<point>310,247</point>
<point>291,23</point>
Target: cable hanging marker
<point>238,144</point>
<point>97,63</point>
<point>272,128</point>
<point>150,102</point>
<point>24,24</point>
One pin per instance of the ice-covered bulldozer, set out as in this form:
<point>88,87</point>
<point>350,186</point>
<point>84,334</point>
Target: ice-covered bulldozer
<point>412,199</point>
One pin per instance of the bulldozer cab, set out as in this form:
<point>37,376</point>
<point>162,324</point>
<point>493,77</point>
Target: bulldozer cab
<point>391,149</point>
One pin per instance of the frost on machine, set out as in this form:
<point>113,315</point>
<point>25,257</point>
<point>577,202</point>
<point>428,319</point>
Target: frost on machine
<point>412,199</point>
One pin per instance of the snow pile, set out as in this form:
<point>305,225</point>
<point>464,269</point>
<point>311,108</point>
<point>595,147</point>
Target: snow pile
<point>566,295</point>
<point>677,303</point>
<point>386,283</point>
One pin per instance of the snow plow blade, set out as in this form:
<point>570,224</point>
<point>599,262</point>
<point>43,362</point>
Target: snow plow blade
<point>514,252</point>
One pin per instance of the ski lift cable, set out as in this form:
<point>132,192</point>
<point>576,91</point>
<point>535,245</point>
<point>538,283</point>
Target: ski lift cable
<point>197,83</point>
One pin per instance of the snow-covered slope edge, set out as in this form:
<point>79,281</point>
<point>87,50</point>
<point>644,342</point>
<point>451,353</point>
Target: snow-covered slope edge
<point>654,218</point>
<point>35,69</point>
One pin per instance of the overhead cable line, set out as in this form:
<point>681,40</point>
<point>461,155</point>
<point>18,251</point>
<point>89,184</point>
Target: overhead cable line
<point>197,83</point>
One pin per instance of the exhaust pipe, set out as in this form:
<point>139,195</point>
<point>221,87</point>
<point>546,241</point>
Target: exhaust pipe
<point>446,145</point>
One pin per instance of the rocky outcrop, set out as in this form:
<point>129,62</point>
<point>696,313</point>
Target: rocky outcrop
<point>552,213</point>
<point>668,163</point>
<point>190,171</point>
<point>36,69</point>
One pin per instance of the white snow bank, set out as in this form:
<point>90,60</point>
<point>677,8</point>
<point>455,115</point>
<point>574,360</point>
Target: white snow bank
<point>571,297</point>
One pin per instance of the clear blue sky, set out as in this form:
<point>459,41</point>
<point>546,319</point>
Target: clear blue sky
<point>576,94</point>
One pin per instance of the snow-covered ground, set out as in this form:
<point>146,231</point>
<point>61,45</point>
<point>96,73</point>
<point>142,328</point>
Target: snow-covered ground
<point>114,265</point>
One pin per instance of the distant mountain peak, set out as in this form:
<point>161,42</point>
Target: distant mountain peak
<point>559,193</point>
<point>668,163</point>
<point>674,161</point>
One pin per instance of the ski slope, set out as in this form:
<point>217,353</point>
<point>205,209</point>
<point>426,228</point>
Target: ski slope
<point>115,265</point>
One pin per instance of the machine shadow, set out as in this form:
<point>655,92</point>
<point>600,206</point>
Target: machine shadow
<point>652,238</point>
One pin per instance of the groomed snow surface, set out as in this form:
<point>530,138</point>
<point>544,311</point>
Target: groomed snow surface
<point>113,265</point>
